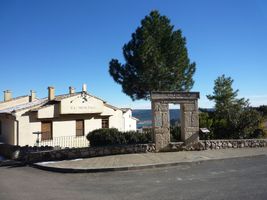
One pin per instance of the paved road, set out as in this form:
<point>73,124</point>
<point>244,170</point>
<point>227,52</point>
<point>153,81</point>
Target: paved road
<point>239,178</point>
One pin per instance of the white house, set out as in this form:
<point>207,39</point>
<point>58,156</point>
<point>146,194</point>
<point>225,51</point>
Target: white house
<point>58,120</point>
<point>130,122</point>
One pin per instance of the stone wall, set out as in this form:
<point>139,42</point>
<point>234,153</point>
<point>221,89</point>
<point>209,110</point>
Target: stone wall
<point>33,154</point>
<point>87,152</point>
<point>218,144</point>
<point>12,151</point>
<point>224,144</point>
<point>8,150</point>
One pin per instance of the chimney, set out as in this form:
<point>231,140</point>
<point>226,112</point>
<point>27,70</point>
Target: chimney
<point>7,95</point>
<point>32,96</point>
<point>71,90</point>
<point>51,93</point>
<point>84,88</point>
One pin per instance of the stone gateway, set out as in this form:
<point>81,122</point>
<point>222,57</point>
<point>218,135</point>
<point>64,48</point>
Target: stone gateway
<point>189,117</point>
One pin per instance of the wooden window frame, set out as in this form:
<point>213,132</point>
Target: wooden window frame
<point>51,135</point>
<point>78,131</point>
<point>105,122</point>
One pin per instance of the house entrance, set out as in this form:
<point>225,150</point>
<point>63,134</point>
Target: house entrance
<point>161,122</point>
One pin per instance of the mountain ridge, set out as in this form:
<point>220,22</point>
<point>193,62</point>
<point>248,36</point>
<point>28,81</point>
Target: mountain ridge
<point>145,116</point>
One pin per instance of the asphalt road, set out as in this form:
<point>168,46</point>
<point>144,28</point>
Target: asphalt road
<point>240,178</point>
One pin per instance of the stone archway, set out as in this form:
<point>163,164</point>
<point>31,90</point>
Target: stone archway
<point>189,117</point>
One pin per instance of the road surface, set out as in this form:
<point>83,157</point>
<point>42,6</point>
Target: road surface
<point>239,178</point>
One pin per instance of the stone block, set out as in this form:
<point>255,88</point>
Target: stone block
<point>195,119</point>
<point>191,129</point>
<point>190,107</point>
<point>187,119</point>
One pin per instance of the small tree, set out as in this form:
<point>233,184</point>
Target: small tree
<point>225,97</point>
<point>233,118</point>
<point>156,59</point>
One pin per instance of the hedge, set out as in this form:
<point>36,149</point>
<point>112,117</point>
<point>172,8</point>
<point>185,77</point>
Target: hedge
<point>112,136</point>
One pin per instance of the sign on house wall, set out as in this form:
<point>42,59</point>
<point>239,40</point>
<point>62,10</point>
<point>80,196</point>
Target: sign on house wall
<point>81,104</point>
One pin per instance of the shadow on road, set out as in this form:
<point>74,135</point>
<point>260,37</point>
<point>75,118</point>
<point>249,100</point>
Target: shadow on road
<point>11,164</point>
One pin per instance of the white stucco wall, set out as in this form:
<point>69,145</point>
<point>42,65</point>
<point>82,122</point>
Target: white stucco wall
<point>129,122</point>
<point>64,128</point>
<point>26,129</point>
<point>116,120</point>
<point>81,104</point>
<point>92,124</point>
<point>7,130</point>
<point>48,112</point>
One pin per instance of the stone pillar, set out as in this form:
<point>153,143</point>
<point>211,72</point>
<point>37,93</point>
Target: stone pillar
<point>161,125</point>
<point>190,122</point>
<point>182,115</point>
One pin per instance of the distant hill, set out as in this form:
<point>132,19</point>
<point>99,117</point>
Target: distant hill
<point>145,116</point>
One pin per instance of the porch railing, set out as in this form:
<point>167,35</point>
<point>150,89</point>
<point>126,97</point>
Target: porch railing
<point>66,141</point>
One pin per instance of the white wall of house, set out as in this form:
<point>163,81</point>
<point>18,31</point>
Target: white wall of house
<point>26,129</point>
<point>129,122</point>
<point>64,128</point>
<point>92,124</point>
<point>7,129</point>
<point>116,120</point>
<point>80,104</point>
<point>48,112</point>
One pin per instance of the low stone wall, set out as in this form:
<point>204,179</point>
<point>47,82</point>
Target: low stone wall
<point>218,144</point>
<point>34,154</point>
<point>8,151</point>
<point>87,152</point>
<point>12,151</point>
<point>244,143</point>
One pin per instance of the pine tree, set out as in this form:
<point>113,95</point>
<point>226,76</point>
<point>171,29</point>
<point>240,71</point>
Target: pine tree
<point>224,96</point>
<point>156,59</point>
<point>233,118</point>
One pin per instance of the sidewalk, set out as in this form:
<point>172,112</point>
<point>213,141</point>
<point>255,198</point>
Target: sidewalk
<point>145,160</point>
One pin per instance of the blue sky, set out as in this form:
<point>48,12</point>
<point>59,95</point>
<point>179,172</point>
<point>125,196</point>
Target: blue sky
<point>66,43</point>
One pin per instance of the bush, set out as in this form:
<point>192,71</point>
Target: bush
<point>111,136</point>
<point>175,132</point>
<point>237,123</point>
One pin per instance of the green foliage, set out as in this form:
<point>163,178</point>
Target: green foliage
<point>232,118</point>
<point>111,136</point>
<point>263,110</point>
<point>225,97</point>
<point>206,121</point>
<point>175,132</point>
<point>156,59</point>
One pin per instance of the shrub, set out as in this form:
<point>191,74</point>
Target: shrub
<point>111,136</point>
<point>175,132</point>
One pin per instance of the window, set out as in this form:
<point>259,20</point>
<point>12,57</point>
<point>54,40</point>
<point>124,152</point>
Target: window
<point>105,123</point>
<point>79,128</point>
<point>46,129</point>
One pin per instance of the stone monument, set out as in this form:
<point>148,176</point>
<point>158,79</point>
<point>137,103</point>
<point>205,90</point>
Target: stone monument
<point>189,117</point>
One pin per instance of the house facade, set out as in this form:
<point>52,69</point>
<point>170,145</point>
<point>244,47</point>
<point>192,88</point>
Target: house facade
<point>58,120</point>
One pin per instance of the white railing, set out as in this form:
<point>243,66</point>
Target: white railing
<point>66,141</point>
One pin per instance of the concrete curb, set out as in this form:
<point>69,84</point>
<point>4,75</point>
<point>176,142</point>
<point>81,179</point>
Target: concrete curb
<point>128,168</point>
